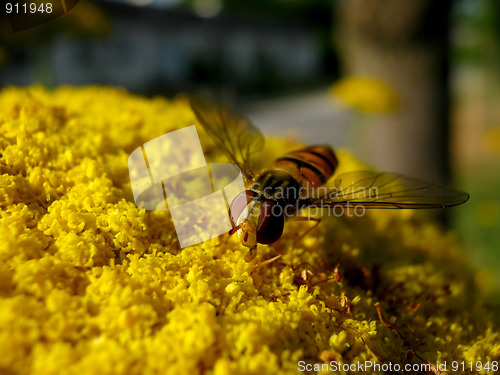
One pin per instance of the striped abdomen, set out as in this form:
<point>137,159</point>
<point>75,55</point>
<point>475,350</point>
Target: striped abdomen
<point>292,177</point>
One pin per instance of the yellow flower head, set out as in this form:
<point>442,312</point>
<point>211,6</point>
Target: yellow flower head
<point>366,94</point>
<point>91,284</point>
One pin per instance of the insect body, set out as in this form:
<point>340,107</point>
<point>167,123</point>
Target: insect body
<point>302,179</point>
<point>281,191</point>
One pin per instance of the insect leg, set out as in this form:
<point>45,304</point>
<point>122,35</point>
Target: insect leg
<point>270,260</point>
<point>252,253</point>
<point>304,218</point>
<point>226,236</point>
<point>296,242</point>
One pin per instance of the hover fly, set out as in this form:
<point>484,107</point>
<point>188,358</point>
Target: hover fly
<point>302,179</point>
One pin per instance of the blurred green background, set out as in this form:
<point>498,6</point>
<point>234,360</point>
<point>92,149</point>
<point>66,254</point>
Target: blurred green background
<point>408,87</point>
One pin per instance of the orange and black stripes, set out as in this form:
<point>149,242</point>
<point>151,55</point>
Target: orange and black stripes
<point>285,179</point>
<point>312,166</point>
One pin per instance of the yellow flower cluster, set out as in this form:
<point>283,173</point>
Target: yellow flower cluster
<point>365,94</point>
<point>90,284</point>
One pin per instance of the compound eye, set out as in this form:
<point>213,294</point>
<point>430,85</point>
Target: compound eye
<point>271,222</point>
<point>240,202</point>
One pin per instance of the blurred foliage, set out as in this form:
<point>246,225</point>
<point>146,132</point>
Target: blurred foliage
<point>491,141</point>
<point>478,31</point>
<point>476,41</point>
<point>315,15</point>
<point>478,221</point>
<point>266,79</point>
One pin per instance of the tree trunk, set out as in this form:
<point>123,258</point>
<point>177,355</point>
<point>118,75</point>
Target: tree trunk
<point>405,44</point>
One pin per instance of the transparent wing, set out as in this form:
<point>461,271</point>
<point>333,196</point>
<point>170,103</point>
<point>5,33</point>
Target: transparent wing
<point>232,132</point>
<point>385,190</point>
